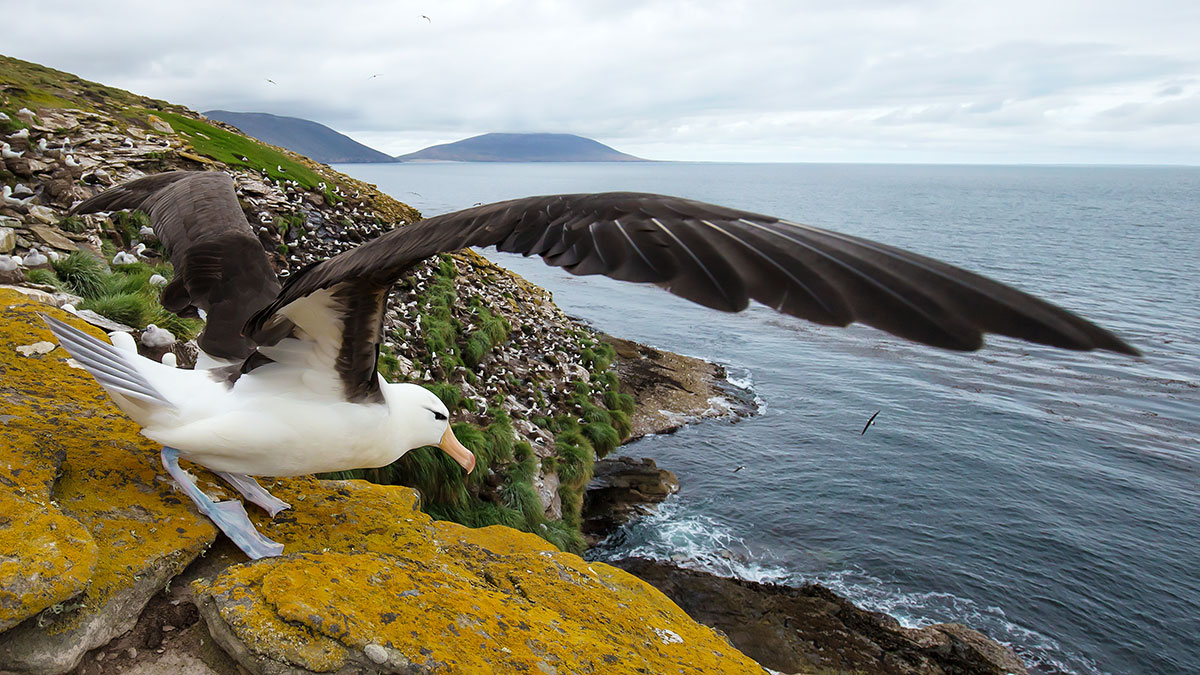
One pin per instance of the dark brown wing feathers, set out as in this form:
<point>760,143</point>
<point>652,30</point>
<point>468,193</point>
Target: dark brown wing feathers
<point>220,266</point>
<point>712,255</point>
<point>723,258</point>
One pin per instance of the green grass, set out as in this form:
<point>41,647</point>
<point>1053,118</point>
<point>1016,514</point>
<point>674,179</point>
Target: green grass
<point>131,309</point>
<point>123,294</point>
<point>82,273</point>
<point>44,276</point>
<point>228,147</point>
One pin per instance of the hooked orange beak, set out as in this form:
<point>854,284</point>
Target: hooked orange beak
<point>457,450</point>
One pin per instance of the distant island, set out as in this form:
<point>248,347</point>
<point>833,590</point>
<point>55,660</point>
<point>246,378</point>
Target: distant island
<point>301,136</point>
<point>323,144</point>
<point>522,148</point>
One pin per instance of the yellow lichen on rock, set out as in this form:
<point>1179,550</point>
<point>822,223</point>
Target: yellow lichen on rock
<point>46,557</point>
<point>367,581</point>
<point>109,518</point>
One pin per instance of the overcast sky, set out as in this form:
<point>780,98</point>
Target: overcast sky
<point>1089,81</point>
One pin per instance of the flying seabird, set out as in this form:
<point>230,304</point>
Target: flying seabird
<point>301,393</point>
<point>869,422</point>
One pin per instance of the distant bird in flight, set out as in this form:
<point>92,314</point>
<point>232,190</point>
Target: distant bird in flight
<point>301,393</point>
<point>427,18</point>
<point>868,424</point>
<point>374,76</point>
<point>270,80</point>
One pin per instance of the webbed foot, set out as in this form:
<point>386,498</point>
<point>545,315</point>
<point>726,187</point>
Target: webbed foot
<point>251,490</point>
<point>229,516</point>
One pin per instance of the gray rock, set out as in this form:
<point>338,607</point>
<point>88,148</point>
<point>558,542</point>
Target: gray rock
<point>621,488</point>
<point>51,650</point>
<point>44,214</point>
<point>811,628</point>
<point>8,240</point>
<point>52,236</point>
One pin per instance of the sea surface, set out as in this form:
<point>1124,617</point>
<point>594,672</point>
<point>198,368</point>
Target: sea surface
<point>1048,498</point>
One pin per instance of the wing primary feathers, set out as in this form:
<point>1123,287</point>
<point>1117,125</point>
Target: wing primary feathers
<point>716,284</point>
<point>637,249</point>
<point>850,268</point>
<point>828,310</point>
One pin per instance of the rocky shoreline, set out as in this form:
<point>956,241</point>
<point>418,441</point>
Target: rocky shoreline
<point>786,629</point>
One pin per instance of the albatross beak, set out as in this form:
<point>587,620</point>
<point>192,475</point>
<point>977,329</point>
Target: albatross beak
<point>457,450</point>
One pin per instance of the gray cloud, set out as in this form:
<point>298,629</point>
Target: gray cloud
<point>786,81</point>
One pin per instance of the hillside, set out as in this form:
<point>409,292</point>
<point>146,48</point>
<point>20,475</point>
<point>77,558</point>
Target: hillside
<point>304,137</point>
<point>522,148</point>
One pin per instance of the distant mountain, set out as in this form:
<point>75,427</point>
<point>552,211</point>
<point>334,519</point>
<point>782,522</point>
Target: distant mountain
<point>522,148</point>
<point>301,136</point>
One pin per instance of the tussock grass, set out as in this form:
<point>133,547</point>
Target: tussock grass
<point>131,309</point>
<point>123,294</point>
<point>82,273</point>
<point>45,277</point>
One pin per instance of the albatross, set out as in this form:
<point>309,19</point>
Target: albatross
<point>288,383</point>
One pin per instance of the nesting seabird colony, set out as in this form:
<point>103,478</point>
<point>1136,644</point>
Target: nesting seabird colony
<point>287,382</point>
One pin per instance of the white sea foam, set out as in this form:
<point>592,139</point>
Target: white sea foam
<point>686,537</point>
<point>743,379</point>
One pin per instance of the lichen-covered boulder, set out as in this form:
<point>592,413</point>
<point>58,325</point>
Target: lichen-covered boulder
<point>369,583</point>
<point>90,528</point>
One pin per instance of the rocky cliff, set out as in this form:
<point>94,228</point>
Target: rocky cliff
<point>91,530</point>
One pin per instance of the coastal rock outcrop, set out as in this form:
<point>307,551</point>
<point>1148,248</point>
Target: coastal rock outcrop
<point>621,488</point>
<point>671,389</point>
<point>811,629</point>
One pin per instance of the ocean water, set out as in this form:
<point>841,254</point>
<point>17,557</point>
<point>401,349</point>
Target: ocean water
<point>1049,498</point>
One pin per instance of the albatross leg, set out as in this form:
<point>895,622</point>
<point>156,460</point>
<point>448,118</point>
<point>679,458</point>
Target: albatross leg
<point>229,516</point>
<point>251,490</point>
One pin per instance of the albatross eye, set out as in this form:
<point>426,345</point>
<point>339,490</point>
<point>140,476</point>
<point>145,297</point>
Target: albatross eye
<point>438,416</point>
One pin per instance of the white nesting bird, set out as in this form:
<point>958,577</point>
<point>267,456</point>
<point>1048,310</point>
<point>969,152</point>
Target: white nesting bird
<point>72,162</point>
<point>123,258</point>
<point>4,117</point>
<point>23,134</point>
<point>153,336</point>
<point>6,194</point>
<point>9,263</point>
<point>300,392</point>
<point>42,146</point>
<point>158,280</point>
<point>146,232</point>
<point>35,258</point>
<point>6,152</point>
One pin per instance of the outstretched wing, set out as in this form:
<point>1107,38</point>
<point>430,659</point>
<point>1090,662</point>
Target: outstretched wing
<point>712,255</point>
<point>220,266</point>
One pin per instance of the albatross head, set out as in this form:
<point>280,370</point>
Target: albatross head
<point>426,420</point>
